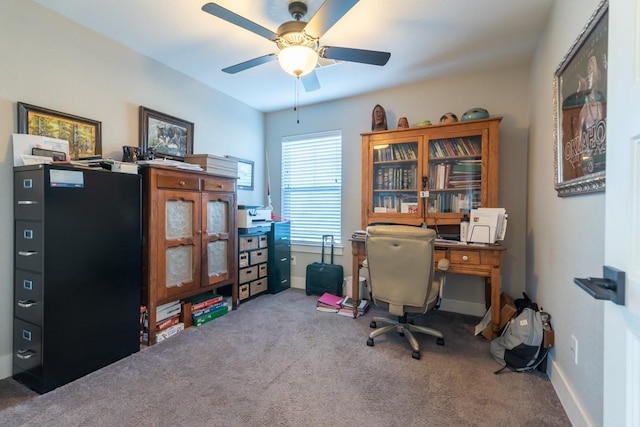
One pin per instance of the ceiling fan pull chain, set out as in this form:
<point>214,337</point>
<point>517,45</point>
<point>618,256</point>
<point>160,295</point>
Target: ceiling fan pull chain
<point>296,96</point>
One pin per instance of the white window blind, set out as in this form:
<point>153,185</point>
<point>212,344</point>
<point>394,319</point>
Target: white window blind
<point>312,186</point>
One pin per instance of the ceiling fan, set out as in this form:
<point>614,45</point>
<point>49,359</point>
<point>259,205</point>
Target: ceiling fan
<point>298,40</point>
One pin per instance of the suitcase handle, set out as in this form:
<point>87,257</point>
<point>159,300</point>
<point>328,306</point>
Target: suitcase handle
<point>325,237</point>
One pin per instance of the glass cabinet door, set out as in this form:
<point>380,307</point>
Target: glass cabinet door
<point>179,242</point>
<point>455,174</point>
<point>216,237</point>
<point>395,178</point>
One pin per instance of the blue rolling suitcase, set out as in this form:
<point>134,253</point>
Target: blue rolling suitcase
<point>323,277</point>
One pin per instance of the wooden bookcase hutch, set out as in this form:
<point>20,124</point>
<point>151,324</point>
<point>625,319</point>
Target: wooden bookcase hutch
<point>456,164</point>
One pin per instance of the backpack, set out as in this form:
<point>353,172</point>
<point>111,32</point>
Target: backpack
<point>525,340</point>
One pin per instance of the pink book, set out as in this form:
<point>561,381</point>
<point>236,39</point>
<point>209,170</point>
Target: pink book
<point>330,300</point>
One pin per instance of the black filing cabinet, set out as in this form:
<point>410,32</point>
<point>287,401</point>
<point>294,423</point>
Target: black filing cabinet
<point>279,256</point>
<point>77,277</point>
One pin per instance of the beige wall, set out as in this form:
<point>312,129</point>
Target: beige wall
<point>565,236</point>
<point>503,93</point>
<point>52,62</point>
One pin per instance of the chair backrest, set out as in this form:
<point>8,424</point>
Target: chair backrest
<point>401,266</point>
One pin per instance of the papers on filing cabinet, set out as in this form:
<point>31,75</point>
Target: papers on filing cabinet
<point>486,225</point>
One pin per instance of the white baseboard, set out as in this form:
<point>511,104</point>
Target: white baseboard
<point>572,406</point>
<point>463,307</point>
<point>6,364</point>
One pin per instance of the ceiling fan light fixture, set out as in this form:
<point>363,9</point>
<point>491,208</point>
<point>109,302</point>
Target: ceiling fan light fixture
<point>298,60</point>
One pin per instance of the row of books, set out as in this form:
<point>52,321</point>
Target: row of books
<point>405,151</point>
<point>167,321</point>
<point>454,175</point>
<point>396,178</point>
<point>454,147</point>
<point>330,303</point>
<point>204,308</point>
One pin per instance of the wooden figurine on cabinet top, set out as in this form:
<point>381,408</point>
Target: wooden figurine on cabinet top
<point>378,118</point>
<point>403,123</point>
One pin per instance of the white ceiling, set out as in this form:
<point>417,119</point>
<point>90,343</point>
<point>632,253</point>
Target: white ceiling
<point>428,39</point>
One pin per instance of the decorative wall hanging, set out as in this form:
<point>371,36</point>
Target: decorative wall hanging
<point>167,136</point>
<point>580,110</point>
<point>84,135</point>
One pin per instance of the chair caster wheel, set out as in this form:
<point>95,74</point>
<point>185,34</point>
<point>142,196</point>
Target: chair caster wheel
<point>440,341</point>
<point>370,342</point>
<point>416,355</point>
<point>373,325</point>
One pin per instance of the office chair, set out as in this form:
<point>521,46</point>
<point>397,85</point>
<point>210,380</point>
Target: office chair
<point>400,261</point>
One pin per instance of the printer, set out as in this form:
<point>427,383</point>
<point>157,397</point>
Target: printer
<point>251,216</point>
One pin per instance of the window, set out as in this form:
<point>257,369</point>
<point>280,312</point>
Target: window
<point>312,186</point>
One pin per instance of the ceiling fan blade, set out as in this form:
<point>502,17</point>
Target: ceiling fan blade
<point>310,81</point>
<point>372,57</point>
<point>329,13</point>
<point>238,20</point>
<point>250,63</point>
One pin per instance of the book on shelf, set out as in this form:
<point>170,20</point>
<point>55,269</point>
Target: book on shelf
<point>208,309</point>
<point>204,300</point>
<point>168,310</point>
<point>201,320</point>
<point>166,324</point>
<point>169,332</point>
<point>144,321</point>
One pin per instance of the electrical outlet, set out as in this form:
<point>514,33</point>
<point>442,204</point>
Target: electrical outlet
<point>293,260</point>
<point>574,349</point>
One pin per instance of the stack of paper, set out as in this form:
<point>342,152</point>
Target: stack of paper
<point>487,225</point>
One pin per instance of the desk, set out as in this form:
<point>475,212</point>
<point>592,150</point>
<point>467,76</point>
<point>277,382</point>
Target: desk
<point>483,261</point>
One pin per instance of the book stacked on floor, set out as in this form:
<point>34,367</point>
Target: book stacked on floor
<point>346,307</point>
<point>208,306</point>
<point>328,303</point>
<point>168,320</point>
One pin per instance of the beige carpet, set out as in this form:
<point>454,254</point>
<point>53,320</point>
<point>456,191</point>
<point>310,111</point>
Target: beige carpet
<point>276,361</point>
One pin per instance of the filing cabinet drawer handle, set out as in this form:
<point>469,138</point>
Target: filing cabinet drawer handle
<point>27,253</point>
<point>27,202</point>
<point>26,304</point>
<point>25,354</point>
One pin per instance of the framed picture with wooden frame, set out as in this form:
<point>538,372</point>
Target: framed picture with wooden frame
<point>167,136</point>
<point>84,135</point>
<point>245,173</point>
<point>580,110</point>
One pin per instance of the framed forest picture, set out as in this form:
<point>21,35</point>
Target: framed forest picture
<point>84,135</point>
